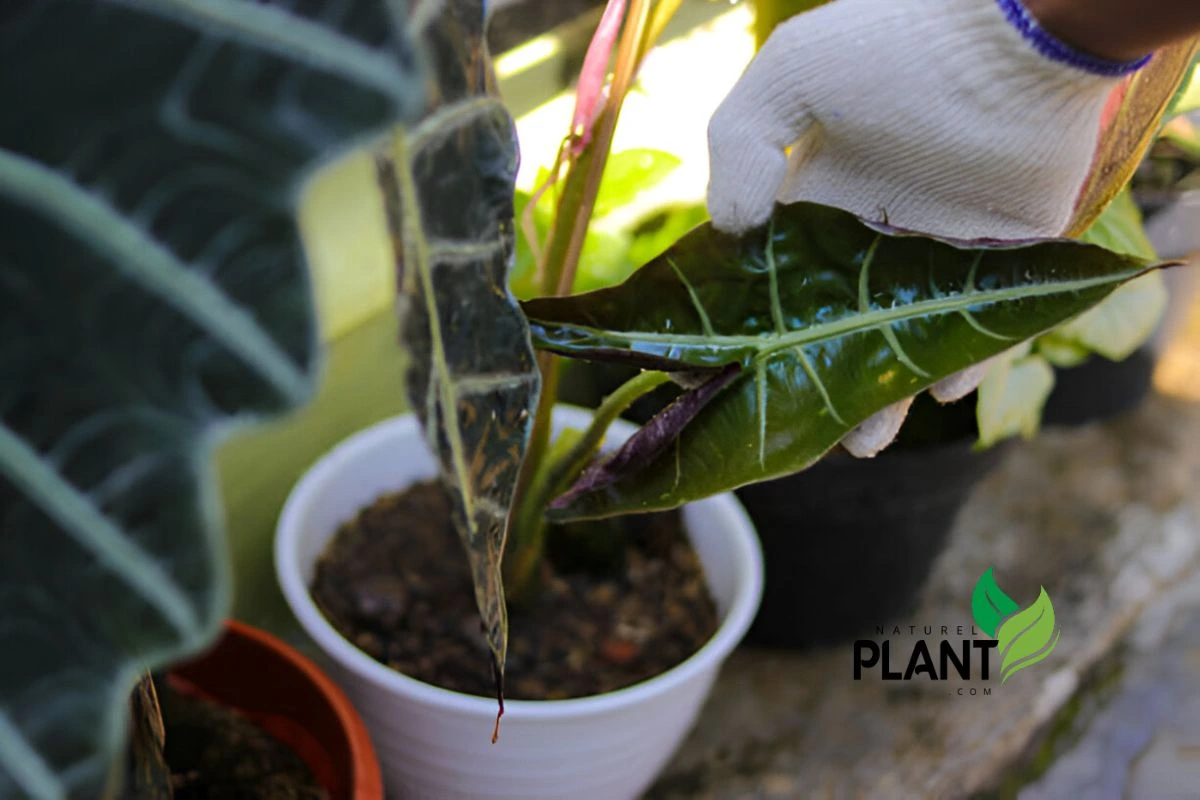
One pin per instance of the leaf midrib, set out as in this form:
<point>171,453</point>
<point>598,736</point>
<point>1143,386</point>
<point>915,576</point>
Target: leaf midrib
<point>856,323</point>
<point>405,150</point>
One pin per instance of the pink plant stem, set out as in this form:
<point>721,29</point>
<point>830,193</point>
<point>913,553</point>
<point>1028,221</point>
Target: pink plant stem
<point>590,95</point>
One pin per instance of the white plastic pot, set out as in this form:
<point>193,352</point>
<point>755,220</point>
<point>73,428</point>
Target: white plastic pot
<point>435,744</point>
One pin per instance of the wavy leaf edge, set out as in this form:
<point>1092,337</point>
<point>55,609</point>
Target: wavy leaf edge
<point>268,337</point>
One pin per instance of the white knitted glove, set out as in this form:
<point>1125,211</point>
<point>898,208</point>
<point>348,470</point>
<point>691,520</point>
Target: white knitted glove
<point>940,115</point>
<point>956,118</point>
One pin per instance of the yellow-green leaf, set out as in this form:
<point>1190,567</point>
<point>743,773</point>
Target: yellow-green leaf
<point>1187,99</point>
<point>629,173</point>
<point>1012,396</point>
<point>1123,322</point>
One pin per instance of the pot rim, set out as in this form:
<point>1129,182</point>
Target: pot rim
<point>733,627</point>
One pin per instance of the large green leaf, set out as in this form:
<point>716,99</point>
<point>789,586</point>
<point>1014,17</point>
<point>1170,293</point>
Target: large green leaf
<point>472,377</point>
<point>153,293</point>
<point>830,319</point>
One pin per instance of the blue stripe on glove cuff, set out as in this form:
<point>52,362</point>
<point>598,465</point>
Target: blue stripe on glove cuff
<point>1055,49</point>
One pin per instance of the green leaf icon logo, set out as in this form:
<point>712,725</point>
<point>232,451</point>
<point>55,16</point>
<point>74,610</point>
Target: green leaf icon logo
<point>1027,637</point>
<point>990,605</point>
<point>1024,637</point>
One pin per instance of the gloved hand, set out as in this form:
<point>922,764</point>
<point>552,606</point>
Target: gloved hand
<point>941,115</point>
<point>956,118</point>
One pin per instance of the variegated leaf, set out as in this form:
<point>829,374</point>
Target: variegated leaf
<point>472,377</point>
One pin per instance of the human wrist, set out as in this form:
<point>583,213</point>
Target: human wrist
<point>1063,31</point>
<point>1091,32</point>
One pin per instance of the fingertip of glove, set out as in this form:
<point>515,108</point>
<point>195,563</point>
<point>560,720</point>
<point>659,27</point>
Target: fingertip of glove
<point>873,435</point>
<point>731,219</point>
<point>960,384</point>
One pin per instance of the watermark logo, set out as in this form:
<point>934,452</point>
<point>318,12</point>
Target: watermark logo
<point>1020,637</point>
<point>1024,636</point>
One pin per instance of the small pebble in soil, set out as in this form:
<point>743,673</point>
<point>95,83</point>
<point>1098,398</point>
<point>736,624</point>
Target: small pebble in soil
<point>394,581</point>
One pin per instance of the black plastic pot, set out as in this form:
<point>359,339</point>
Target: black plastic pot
<point>848,543</point>
<point>1099,389</point>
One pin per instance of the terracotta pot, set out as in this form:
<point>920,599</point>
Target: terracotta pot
<point>286,695</point>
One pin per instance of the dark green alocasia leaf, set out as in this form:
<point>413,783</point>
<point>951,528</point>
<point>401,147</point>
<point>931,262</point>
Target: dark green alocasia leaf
<point>153,295</point>
<point>472,377</point>
<point>831,320</point>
